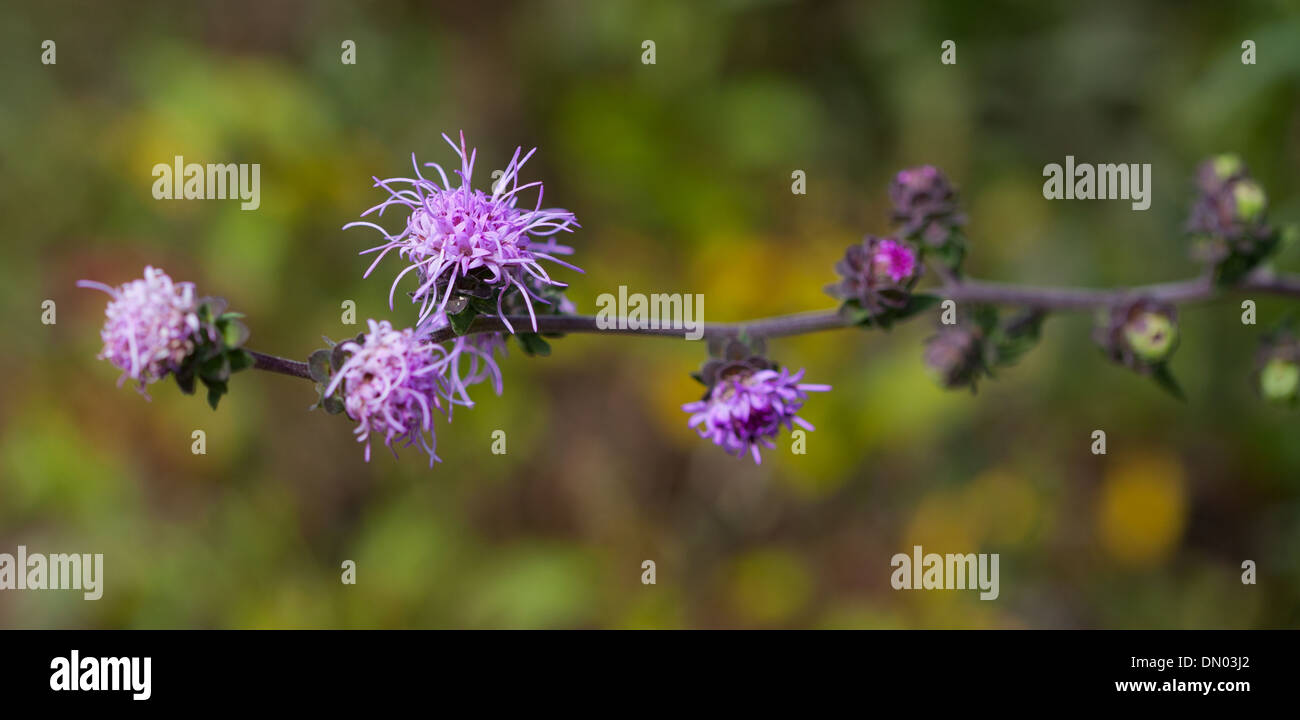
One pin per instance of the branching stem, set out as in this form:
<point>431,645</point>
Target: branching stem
<point>1199,289</point>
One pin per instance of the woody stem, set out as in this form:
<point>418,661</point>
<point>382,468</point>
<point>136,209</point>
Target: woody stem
<point>1039,298</point>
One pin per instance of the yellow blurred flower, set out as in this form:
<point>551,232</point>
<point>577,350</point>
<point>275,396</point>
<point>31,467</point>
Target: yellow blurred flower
<point>1143,507</point>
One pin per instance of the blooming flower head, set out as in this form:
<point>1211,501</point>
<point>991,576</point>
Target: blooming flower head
<point>893,260</point>
<point>925,202</point>
<point>392,384</point>
<point>463,242</point>
<point>878,273</point>
<point>151,326</point>
<point>747,404</point>
<point>470,359</point>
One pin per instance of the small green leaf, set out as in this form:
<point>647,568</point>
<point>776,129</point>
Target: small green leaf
<point>917,303</point>
<point>484,306</point>
<point>339,356</point>
<point>986,318</point>
<point>332,405</point>
<point>1165,379</point>
<point>319,366</point>
<point>533,344</point>
<point>185,380</point>
<point>951,253</point>
<point>461,321</point>
<point>206,351</point>
<point>853,312</point>
<point>1018,337</point>
<point>240,360</point>
<point>233,332</point>
<point>215,306</point>
<point>216,369</point>
<point>215,391</point>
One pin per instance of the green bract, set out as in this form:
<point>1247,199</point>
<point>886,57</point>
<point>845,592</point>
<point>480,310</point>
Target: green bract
<point>218,351</point>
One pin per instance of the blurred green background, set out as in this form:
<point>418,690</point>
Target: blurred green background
<point>680,175</point>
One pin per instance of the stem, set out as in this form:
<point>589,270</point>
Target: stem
<point>284,366</point>
<point>974,291</point>
<point>778,326</point>
<point>1041,299</point>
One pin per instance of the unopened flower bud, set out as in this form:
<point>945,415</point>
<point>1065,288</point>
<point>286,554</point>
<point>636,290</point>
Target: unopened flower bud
<point>1222,168</point>
<point>878,273</point>
<point>1249,199</point>
<point>1279,380</point>
<point>1228,218</point>
<point>1152,335</point>
<point>955,356</point>
<point>926,204</point>
<point>1277,374</point>
<point>1139,334</point>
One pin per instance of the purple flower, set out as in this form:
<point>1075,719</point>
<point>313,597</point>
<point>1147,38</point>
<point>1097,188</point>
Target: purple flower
<point>878,273</point>
<point>470,359</point>
<point>151,326</point>
<point>462,242</point>
<point>893,260</point>
<point>925,202</point>
<point>392,384</point>
<point>747,406</point>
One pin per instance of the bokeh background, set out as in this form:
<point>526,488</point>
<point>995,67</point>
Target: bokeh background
<point>680,173</point>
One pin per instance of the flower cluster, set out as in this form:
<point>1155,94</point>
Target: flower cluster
<point>471,252</point>
<point>877,275</point>
<point>465,243</point>
<point>474,253</point>
<point>151,326</point>
<point>393,383</point>
<point>1228,218</point>
<point>747,403</point>
<point>925,204</point>
<point>157,328</point>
